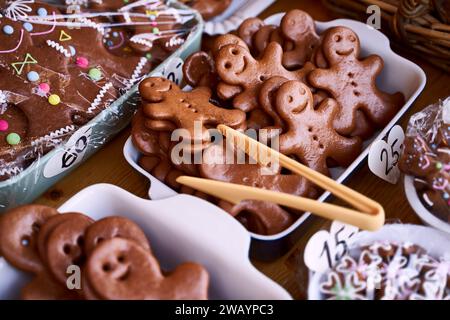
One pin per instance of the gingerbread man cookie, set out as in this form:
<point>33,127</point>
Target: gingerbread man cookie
<point>352,82</point>
<point>298,27</point>
<point>164,100</point>
<point>310,135</point>
<point>122,269</point>
<point>236,66</point>
<point>19,230</point>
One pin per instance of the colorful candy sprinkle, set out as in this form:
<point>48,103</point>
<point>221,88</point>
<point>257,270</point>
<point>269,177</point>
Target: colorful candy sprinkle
<point>28,26</point>
<point>439,165</point>
<point>42,12</point>
<point>44,87</point>
<point>148,56</point>
<point>4,125</point>
<point>8,29</point>
<point>54,99</point>
<point>95,74</point>
<point>13,138</point>
<point>32,76</point>
<point>155,30</point>
<point>82,62</point>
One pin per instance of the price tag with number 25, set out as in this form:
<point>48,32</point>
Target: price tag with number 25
<point>324,248</point>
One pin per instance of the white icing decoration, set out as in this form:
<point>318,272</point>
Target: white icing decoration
<point>3,98</point>
<point>351,289</point>
<point>10,171</point>
<point>98,99</point>
<point>92,24</point>
<point>18,9</point>
<point>174,41</point>
<point>145,39</point>
<point>54,135</point>
<point>432,291</point>
<point>136,73</point>
<point>400,274</point>
<point>59,48</point>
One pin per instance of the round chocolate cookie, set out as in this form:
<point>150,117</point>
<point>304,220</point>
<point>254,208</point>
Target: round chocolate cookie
<point>18,236</point>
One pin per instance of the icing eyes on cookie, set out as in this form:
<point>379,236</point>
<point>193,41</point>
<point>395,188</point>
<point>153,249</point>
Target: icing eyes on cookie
<point>28,26</point>
<point>42,12</point>
<point>7,29</point>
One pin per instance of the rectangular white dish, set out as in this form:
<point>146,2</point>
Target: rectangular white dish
<point>399,74</point>
<point>200,232</point>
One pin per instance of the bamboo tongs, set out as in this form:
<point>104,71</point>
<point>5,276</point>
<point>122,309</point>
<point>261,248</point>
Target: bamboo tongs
<point>369,217</point>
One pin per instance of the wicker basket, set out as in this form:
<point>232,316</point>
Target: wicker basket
<point>423,25</point>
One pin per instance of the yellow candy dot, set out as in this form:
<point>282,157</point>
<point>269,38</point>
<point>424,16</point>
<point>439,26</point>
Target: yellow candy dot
<point>54,99</point>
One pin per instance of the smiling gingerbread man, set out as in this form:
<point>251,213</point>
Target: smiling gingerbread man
<point>352,82</point>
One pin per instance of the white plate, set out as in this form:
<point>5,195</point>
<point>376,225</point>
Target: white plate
<point>424,214</point>
<point>180,229</point>
<point>436,243</point>
<point>399,74</point>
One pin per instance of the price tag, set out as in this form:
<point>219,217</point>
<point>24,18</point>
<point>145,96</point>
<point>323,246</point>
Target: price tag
<point>173,70</point>
<point>71,155</point>
<point>384,156</point>
<point>325,248</point>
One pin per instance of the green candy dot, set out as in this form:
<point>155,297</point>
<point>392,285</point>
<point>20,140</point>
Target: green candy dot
<point>155,30</point>
<point>13,139</point>
<point>95,74</point>
<point>439,165</point>
<point>148,56</point>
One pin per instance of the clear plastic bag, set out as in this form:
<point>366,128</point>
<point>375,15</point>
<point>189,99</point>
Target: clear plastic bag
<point>427,157</point>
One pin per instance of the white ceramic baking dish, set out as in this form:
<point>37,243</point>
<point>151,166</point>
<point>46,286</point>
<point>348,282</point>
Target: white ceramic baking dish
<point>180,229</point>
<point>399,74</point>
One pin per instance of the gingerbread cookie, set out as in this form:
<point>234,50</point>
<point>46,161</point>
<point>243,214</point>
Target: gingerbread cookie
<point>113,227</point>
<point>164,100</point>
<point>248,28</point>
<point>271,218</point>
<point>45,287</point>
<point>19,230</point>
<point>298,27</point>
<point>310,135</point>
<point>122,269</point>
<point>50,225</point>
<point>237,67</point>
<point>65,246</point>
<point>352,81</point>
<point>198,70</point>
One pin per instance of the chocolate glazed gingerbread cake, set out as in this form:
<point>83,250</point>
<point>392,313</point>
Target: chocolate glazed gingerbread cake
<point>57,73</point>
<point>317,93</point>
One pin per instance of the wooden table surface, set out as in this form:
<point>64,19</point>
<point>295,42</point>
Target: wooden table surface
<point>109,166</point>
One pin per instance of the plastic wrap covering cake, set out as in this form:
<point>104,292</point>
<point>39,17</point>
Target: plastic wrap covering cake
<point>61,65</point>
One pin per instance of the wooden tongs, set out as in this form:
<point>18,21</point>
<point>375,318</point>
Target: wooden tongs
<point>369,217</point>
